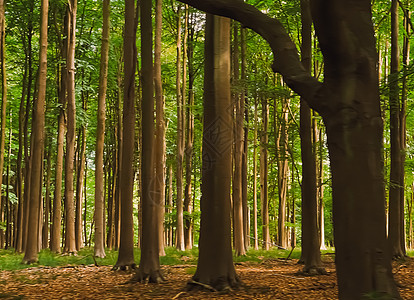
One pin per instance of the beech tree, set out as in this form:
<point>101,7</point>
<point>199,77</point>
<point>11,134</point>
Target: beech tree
<point>215,262</point>
<point>348,101</point>
<point>32,244</point>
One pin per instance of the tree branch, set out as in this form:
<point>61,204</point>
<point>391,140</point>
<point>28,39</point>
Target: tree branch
<point>286,58</point>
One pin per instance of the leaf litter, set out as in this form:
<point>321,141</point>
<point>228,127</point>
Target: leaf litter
<point>268,279</point>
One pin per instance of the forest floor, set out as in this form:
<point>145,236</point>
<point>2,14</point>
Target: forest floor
<point>268,279</point>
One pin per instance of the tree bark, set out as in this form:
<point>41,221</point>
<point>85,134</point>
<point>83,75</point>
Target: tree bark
<point>126,184</point>
<point>31,251</point>
<point>238,226</point>
<point>70,245</point>
<point>215,263</point>
<point>264,140</point>
<point>99,249</point>
<point>255,236</point>
<point>395,216</point>
<point>179,236</point>
<point>149,267</point>
<point>348,101</point>
<point>311,254</point>
<point>160,130</point>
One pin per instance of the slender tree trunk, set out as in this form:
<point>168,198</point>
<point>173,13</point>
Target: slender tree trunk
<point>70,245</point>
<point>160,130</point>
<point>311,255</point>
<point>80,178</point>
<point>255,236</point>
<point>47,201</point>
<point>238,226</point>
<point>179,236</point>
<point>245,110</point>
<point>403,126</point>
<point>188,207</point>
<point>395,216</point>
<point>126,184</point>
<point>170,206</point>
<point>99,249</point>
<point>3,106</point>
<point>283,169</point>
<point>264,175</point>
<point>215,264</point>
<point>31,251</point>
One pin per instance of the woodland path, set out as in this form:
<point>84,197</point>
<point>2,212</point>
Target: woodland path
<point>270,279</point>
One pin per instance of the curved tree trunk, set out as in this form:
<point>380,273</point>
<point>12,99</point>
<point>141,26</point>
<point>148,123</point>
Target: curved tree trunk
<point>99,249</point>
<point>215,262</point>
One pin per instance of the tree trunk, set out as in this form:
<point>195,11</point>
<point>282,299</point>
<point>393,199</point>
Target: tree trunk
<point>188,207</point>
<point>264,139</point>
<point>160,130</point>
<point>395,216</point>
<point>80,178</point>
<point>215,263</point>
<point>255,236</point>
<point>3,108</point>
<point>283,169</point>
<point>238,226</point>
<point>126,184</point>
<point>70,245</point>
<point>179,236</point>
<point>47,201</point>
<point>149,267</point>
<point>99,249</point>
<point>31,251</point>
<point>311,254</point>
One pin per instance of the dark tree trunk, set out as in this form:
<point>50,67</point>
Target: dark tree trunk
<point>149,267</point>
<point>348,100</point>
<point>215,263</point>
<point>126,184</point>
<point>311,255</point>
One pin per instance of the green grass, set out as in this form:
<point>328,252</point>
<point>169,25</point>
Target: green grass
<point>10,260</point>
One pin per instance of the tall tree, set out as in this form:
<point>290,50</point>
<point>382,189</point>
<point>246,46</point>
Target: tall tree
<point>70,245</point>
<point>99,249</point>
<point>264,200</point>
<point>3,95</point>
<point>348,101</point>
<point>160,129</point>
<point>394,228</point>
<point>215,261</point>
<point>38,127</point>
<point>179,235</point>
<point>126,184</point>
<point>311,255</point>
<point>149,267</point>
<point>238,219</point>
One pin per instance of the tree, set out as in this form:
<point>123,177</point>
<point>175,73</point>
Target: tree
<point>160,129</point>
<point>126,245</point>
<point>215,262</point>
<point>348,101</point>
<point>32,244</point>
<point>395,230</point>
<point>179,236</point>
<point>3,100</point>
<point>70,245</point>
<point>264,197</point>
<point>311,255</point>
<point>100,137</point>
<point>149,266</point>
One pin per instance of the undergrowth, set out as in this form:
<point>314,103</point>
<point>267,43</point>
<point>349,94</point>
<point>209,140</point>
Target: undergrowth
<point>10,260</point>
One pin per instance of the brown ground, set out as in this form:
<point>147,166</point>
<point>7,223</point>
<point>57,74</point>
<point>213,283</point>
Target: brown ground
<point>271,279</point>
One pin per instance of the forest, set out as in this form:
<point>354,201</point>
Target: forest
<point>221,126</point>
